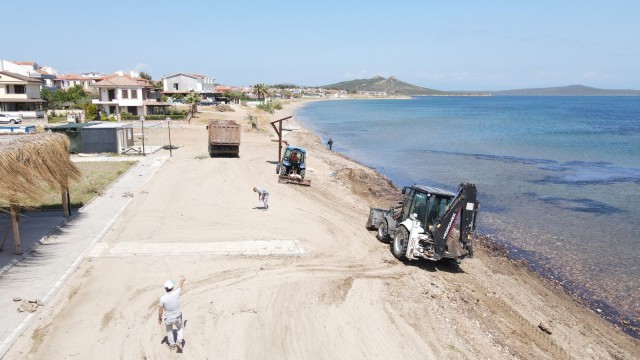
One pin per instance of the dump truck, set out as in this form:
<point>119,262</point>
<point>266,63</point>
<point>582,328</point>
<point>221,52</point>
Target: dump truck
<point>430,223</point>
<point>224,138</point>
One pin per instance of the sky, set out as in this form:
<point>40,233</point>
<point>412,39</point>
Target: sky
<point>443,45</point>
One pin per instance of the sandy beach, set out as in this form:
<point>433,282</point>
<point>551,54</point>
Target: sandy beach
<point>334,292</point>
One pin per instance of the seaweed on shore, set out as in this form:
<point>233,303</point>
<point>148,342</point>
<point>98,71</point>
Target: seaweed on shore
<point>503,252</point>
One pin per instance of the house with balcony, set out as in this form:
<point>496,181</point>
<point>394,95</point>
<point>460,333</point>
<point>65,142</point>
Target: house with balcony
<point>121,92</point>
<point>184,84</point>
<point>20,95</point>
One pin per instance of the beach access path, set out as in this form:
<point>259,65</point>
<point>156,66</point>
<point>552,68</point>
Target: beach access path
<point>302,280</point>
<point>53,247</point>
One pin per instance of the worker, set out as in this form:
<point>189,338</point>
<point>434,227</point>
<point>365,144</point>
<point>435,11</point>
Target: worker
<point>263,195</point>
<point>330,143</point>
<point>294,157</point>
<point>170,312</point>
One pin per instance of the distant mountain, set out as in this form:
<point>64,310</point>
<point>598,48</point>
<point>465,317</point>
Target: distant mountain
<point>571,90</point>
<point>391,86</point>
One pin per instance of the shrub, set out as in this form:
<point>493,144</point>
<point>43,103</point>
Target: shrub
<point>90,111</point>
<point>224,107</point>
<point>253,120</point>
<point>270,107</point>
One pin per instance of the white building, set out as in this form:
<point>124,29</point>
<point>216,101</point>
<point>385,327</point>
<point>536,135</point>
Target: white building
<point>20,95</point>
<point>181,83</point>
<point>30,69</point>
<point>128,93</point>
<point>65,82</point>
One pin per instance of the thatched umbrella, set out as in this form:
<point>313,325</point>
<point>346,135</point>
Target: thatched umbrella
<point>30,164</point>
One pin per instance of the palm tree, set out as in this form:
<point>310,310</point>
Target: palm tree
<point>193,99</point>
<point>261,89</point>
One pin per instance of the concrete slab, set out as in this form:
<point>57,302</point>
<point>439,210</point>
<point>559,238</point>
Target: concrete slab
<point>246,248</point>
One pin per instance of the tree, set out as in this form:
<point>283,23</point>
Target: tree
<point>234,96</point>
<point>145,76</point>
<point>193,99</point>
<point>49,96</point>
<point>76,94</point>
<point>56,98</point>
<point>261,90</point>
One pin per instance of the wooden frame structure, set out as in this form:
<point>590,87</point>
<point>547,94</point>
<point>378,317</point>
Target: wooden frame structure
<point>30,164</point>
<point>279,133</point>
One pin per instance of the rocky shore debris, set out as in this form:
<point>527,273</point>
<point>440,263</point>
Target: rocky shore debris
<point>544,326</point>
<point>28,305</point>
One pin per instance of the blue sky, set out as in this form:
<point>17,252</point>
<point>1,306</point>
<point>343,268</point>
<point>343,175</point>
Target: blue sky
<point>452,45</point>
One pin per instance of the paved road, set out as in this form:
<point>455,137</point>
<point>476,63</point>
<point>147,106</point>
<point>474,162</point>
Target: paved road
<point>40,273</point>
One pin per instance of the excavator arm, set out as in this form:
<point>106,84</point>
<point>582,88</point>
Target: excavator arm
<point>465,206</point>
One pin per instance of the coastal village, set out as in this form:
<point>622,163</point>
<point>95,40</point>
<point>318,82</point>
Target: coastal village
<point>300,278</point>
<point>127,91</point>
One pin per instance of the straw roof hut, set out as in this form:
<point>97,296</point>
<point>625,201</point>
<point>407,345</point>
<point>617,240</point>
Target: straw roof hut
<point>30,165</point>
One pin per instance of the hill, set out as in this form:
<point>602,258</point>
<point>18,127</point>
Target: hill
<point>391,86</point>
<point>571,90</point>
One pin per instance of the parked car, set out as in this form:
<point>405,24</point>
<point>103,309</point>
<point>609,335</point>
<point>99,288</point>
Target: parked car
<point>9,119</point>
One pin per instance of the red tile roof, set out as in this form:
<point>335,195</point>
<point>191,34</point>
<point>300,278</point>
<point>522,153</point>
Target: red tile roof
<point>72,77</point>
<point>116,80</point>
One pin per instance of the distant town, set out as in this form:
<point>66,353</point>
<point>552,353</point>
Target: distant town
<point>28,90</point>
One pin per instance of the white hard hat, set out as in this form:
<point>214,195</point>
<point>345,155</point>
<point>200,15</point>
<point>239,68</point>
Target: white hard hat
<point>168,284</point>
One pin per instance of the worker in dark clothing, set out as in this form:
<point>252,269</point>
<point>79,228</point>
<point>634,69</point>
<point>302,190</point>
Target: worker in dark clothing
<point>330,143</point>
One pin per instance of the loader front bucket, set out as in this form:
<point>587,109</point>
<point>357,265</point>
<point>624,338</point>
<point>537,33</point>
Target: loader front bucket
<point>375,215</point>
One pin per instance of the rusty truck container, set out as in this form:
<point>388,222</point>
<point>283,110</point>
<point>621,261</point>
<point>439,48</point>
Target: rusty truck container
<point>224,138</point>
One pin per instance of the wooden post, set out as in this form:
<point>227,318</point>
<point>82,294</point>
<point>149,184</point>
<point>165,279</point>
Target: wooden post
<point>66,212</point>
<point>279,133</point>
<point>16,230</point>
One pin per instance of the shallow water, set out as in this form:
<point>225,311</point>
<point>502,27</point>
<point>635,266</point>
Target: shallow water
<point>558,177</point>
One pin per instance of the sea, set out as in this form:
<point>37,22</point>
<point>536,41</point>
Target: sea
<point>558,178</point>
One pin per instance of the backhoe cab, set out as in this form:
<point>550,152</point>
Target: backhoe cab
<point>430,223</point>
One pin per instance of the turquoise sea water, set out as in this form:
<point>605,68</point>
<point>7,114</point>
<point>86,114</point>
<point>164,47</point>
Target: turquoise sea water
<point>558,177</point>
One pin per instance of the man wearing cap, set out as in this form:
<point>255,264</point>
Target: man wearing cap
<point>170,312</point>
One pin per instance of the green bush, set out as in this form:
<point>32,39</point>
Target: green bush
<point>270,107</point>
<point>174,110</point>
<point>163,117</point>
<point>128,116</point>
<point>90,111</point>
<point>180,115</point>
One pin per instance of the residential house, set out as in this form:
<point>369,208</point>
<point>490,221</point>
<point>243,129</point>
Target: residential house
<point>65,82</point>
<point>184,84</point>
<point>30,69</point>
<point>20,95</point>
<point>128,93</point>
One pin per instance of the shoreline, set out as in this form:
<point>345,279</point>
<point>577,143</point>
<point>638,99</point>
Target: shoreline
<point>340,294</point>
<point>516,256</point>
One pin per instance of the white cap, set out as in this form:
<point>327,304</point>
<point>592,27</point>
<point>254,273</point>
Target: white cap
<point>168,284</point>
